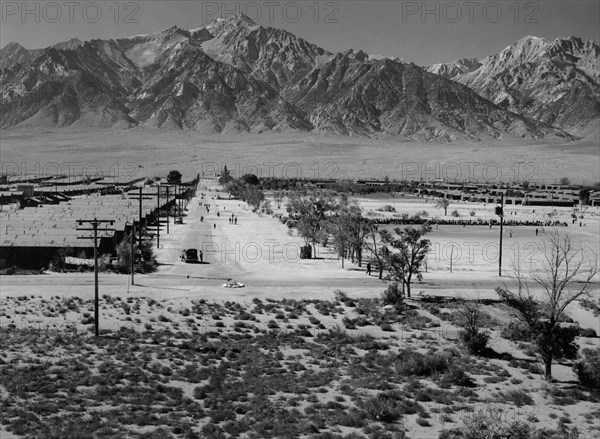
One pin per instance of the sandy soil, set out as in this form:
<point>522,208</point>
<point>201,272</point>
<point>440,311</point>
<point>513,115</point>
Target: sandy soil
<point>135,152</point>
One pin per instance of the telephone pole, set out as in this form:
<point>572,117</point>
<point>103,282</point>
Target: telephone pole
<point>132,253</point>
<point>140,197</point>
<point>95,223</point>
<point>157,216</point>
<point>168,208</point>
<point>500,212</point>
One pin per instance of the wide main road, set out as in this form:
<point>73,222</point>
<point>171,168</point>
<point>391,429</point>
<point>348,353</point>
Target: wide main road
<point>257,251</point>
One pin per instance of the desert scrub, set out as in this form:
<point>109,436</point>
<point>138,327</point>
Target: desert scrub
<point>415,363</point>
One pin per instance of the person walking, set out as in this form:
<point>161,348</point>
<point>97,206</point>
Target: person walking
<point>235,220</point>
<point>368,269</point>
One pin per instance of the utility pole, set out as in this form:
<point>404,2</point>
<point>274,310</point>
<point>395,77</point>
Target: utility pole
<point>132,253</point>
<point>140,197</point>
<point>95,223</point>
<point>168,208</point>
<point>157,216</point>
<point>500,212</point>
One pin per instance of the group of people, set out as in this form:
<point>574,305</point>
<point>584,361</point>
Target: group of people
<point>471,222</point>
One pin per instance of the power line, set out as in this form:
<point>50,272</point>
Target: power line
<point>95,223</point>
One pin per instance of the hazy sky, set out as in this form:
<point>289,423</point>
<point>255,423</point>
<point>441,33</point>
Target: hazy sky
<point>423,32</point>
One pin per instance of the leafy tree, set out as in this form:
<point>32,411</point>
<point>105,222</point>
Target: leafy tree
<point>249,179</point>
<point>311,212</point>
<point>349,229</point>
<point>174,177</point>
<point>225,176</point>
<point>235,188</point>
<point>584,195</point>
<point>442,203</point>
<point>58,260</point>
<point>265,207</point>
<point>565,181</point>
<point>253,196</point>
<point>144,256</point>
<point>337,227</point>
<point>411,247</point>
<point>371,244</point>
<point>566,276</point>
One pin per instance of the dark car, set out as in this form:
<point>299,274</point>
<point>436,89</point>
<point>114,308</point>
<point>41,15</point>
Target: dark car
<point>189,255</point>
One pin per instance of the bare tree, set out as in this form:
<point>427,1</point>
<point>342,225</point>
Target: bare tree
<point>278,197</point>
<point>442,203</point>
<point>567,275</point>
<point>471,320</point>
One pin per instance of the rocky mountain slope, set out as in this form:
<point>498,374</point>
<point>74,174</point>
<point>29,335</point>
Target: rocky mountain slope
<point>554,82</point>
<point>454,68</point>
<point>235,76</point>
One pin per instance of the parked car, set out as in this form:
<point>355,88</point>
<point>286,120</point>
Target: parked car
<point>189,255</point>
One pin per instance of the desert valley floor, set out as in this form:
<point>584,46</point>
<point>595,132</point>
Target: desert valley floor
<point>305,349</point>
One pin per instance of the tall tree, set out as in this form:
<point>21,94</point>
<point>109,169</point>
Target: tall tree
<point>174,177</point>
<point>278,197</point>
<point>566,276</point>
<point>311,211</point>
<point>411,247</point>
<point>253,196</point>
<point>443,203</point>
<point>371,244</point>
<point>584,195</point>
<point>225,176</point>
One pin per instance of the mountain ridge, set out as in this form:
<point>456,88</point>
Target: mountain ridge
<point>233,75</point>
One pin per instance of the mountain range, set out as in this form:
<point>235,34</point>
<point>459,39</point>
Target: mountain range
<point>233,75</point>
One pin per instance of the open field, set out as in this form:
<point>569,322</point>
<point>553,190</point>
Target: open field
<point>288,355</point>
<point>173,368</point>
<point>130,153</point>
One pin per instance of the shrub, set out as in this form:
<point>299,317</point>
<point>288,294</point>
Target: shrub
<point>423,422</point>
<point>393,295</point>
<point>516,331</point>
<point>457,377</point>
<point>348,323</point>
<point>475,342</point>
<point>415,363</point>
<point>518,398</point>
<point>588,368</point>
<point>381,408</point>
<point>485,424</point>
<point>588,332</point>
<point>386,327</point>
